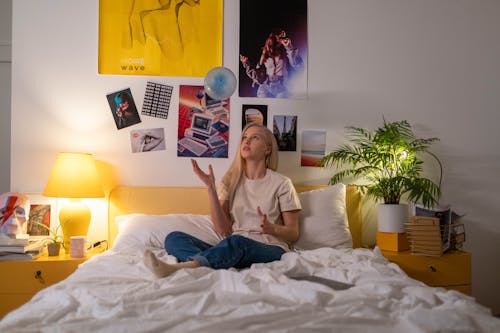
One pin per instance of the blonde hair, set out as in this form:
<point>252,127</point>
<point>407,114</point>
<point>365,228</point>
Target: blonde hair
<point>233,175</point>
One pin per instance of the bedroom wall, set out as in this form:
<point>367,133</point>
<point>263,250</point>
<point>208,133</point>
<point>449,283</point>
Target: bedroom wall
<point>433,63</point>
<point>5,71</point>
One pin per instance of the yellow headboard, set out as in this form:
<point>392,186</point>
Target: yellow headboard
<point>194,200</point>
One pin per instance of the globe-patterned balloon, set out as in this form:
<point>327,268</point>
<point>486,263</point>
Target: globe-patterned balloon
<point>220,83</point>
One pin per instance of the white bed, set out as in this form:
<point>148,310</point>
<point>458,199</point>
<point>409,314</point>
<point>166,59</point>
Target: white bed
<point>115,292</point>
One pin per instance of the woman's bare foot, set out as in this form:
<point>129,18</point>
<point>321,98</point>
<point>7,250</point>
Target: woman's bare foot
<point>161,269</point>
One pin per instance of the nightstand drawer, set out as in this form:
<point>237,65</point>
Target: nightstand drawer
<point>20,280</point>
<point>32,276</point>
<point>451,269</point>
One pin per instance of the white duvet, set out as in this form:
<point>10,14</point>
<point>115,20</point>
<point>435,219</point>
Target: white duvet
<point>114,292</point>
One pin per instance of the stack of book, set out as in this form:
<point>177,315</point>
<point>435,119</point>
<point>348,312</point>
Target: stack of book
<point>21,248</point>
<point>425,235</point>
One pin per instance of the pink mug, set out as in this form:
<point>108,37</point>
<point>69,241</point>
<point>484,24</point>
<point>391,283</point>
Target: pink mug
<point>77,246</point>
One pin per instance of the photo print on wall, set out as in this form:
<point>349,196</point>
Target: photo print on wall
<point>253,113</point>
<point>273,49</point>
<point>156,100</point>
<point>144,140</point>
<point>123,108</point>
<point>285,132</point>
<point>203,129</point>
<point>313,147</point>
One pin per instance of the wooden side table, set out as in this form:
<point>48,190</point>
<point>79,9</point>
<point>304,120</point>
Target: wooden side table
<point>451,271</point>
<point>20,280</point>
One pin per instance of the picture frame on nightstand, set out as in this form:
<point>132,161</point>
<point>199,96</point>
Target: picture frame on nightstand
<point>43,210</point>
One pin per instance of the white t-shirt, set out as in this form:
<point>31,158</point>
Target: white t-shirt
<point>274,193</point>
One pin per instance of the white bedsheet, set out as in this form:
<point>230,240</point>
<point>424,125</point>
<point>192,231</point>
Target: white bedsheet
<point>114,292</point>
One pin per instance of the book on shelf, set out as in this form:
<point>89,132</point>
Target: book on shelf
<point>422,221</point>
<point>424,232</point>
<point>32,246</point>
<point>443,214</point>
<point>425,235</point>
<point>421,241</point>
<point>429,229</point>
<point>18,240</point>
<point>427,247</point>
<point>424,240</point>
<point>428,253</point>
<point>4,256</point>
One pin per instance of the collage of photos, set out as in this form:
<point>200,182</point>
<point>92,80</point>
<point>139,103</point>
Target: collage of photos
<point>272,64</point>
<point>203,125</point>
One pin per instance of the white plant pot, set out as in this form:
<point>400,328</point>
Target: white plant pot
<point>391,218</point>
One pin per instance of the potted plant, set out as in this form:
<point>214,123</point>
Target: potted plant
<point>54,240</point>
<point>389,162</point>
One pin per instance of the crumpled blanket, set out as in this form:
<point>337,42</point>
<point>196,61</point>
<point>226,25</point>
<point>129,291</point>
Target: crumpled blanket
<point>115,292</point>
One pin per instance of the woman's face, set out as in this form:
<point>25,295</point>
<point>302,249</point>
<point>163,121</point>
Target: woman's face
<point>253,144</point>
<point>123,106</point>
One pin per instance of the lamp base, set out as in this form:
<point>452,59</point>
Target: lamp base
<point>74,218</point>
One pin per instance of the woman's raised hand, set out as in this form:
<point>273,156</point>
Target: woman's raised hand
<point>207,178</point>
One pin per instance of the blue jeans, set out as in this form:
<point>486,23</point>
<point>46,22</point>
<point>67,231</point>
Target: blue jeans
<point>234,251</point>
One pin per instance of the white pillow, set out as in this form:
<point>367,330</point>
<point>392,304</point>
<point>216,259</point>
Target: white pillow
<point>150,230</point>
<point>323,219</point>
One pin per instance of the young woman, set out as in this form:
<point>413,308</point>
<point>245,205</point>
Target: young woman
<point>255,208</point>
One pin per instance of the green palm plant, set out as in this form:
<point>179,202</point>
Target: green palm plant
<point>54,236</point>
<point>388,159</point>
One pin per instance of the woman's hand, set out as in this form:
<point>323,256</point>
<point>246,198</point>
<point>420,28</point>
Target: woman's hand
<point>288,232</point>
<point>265,226</point>
<point>219,210</point>
<point>243,59</point>
<point>207,178</point>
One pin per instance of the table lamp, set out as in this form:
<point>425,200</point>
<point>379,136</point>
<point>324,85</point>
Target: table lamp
<point>74,176</point>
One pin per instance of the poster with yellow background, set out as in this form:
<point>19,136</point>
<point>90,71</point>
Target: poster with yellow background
<point>160,37</point>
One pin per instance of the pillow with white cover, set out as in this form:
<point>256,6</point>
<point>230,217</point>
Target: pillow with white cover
<point>150,230</point>
<point>323,223</point>
<point>323,219</point>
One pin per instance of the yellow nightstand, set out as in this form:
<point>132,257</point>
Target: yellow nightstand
<point>20,280</point>
<point>452,270</point>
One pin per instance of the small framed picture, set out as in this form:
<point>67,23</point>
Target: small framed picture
<point>42,210</point>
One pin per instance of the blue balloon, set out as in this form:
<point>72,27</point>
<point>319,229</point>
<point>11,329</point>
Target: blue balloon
<point>220,83</point>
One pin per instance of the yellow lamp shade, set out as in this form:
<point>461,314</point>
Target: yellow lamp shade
<point>74,176</point>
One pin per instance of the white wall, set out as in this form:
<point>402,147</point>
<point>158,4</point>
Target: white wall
<point>433,63</point>
<point>5,70</point>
